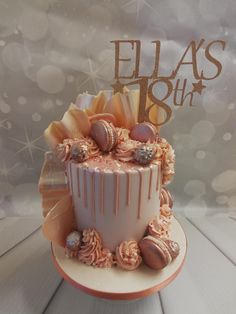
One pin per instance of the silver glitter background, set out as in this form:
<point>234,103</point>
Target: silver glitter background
<point>51,50</point>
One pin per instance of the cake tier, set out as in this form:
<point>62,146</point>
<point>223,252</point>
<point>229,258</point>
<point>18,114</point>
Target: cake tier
<point>118,199</point>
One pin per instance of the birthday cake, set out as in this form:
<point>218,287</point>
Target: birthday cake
<point>103,184</point>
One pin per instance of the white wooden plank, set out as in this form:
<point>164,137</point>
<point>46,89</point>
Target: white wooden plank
<point>71,300</point>
<point>232,215</point>
<point>207,283</point>
<point>221,230</point>
<point>27,276</point>
<point>14,229</point>
<point>2,214</point>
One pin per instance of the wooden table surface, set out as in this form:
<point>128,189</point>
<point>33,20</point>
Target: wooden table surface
<point>207,284</point>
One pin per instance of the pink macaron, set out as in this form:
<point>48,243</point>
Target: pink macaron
<point>144,132</point>
<point>157,253</point>
<point>104,134</point>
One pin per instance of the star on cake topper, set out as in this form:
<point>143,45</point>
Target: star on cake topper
<point>118,87</point>
<point>198,87</point>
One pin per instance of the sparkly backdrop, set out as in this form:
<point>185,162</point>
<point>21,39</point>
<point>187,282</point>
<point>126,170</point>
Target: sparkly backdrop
<point>51,50</point>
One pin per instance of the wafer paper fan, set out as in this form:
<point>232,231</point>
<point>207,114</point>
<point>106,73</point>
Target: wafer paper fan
<point>55,133</point>
<point>133,98</point>
<point>123,106</point>
<point>84,101</point>
<point>99,102</point>
<point>103,116</point>
<point>52,182</point>
<point>113,107</point>
<point>76,122</point>
<point>89,112</point>
<point>60,221</point>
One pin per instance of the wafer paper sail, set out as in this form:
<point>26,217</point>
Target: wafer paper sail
<point>52,183</point>
<point>75,123</point>
<point>60,221</point>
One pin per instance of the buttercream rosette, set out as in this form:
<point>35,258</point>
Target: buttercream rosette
<point>124,151</point>
<point>128,255</point>
<point>160,226</point>
<point>92,252</point>
<point>166,212</point>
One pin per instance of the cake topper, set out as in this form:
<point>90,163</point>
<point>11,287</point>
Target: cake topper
<point>175,87</point>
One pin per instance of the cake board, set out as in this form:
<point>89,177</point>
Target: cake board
<point>115,283</point>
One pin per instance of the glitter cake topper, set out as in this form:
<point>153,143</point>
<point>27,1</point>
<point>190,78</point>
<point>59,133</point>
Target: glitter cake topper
<point>175,87</point>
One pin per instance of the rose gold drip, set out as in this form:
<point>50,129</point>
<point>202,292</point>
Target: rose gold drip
<point>85,188</point>
<point>71,180</point>
<point>140,193</point>
<point>150,184</point>
<point>116,193</point>
<point>78,181</point>
<point>158,176</point>
<point>93,213</point>
<point>68,177</point>
<point>128,188</point>
<point>102,192</point>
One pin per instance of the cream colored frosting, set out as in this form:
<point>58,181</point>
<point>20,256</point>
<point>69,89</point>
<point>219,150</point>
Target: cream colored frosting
<point>122,134</point>
<point>159,227</point>
<point>63,150</point>
<point>168,161</point>
<point>128,255</point>
<point>125,150</point>
<point>108,163</point>
<point>154,228</point>
<point>166,211</point>
<point>91,251</point>
<point>164,153</point>
<point>93,147</point>
<point>106,259</point>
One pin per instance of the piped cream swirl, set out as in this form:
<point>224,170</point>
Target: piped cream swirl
<point>165,211</point>
<point>128,255</point>
<point>125,150</point>
<point>159,228</point>
<point>168,161</point>
<point>93,147</point>
<point>92,252</point>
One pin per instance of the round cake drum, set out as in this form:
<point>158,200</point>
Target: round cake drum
<point>115,283</point>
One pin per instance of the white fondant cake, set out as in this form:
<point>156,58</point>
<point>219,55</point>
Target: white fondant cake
<point>118,203</point>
